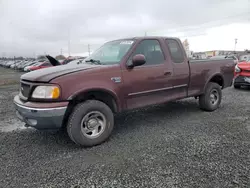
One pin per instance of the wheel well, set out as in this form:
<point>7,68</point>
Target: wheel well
<point>102,96</point>
<point>218,79</point>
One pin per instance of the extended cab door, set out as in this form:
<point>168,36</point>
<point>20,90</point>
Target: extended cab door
<point>149,83</point>
<point>181,69</point>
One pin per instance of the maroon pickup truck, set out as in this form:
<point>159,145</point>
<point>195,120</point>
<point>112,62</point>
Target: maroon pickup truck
<point>121,75</point>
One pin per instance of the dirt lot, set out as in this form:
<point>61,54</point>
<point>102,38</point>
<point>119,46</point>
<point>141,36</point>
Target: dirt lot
<point>171,145</point>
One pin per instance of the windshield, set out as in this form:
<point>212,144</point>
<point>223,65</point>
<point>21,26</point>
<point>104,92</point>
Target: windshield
<point>111,52</point>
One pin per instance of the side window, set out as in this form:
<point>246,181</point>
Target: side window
<point>151,49</point>
<point>175,51</point>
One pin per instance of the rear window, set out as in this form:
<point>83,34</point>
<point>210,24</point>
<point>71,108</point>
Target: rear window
<point>175,51</point>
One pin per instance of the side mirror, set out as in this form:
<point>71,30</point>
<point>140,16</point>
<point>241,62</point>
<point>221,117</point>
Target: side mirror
<point>137,60</point>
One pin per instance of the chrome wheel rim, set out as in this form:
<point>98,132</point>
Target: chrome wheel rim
<point>93,124</point>
<point>214,97</point>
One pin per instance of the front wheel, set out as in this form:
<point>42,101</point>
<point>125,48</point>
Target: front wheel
<point>90,123</point>
<point>211,99</point>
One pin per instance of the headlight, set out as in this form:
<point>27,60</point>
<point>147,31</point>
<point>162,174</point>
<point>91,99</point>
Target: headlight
<point>46,92</point>
<point>237,69</point>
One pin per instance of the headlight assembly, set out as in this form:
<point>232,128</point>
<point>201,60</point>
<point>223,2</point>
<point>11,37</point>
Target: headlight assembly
<point>46,92</point>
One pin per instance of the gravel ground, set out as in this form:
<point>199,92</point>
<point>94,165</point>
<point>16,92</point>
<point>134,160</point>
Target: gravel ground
<point>171,145</point>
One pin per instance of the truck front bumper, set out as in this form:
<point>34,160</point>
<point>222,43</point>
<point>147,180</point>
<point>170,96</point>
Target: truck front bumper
<point>41,115</point>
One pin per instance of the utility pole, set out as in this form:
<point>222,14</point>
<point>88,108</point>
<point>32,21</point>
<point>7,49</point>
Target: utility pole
<point>145,34</point>
<point>89,49</point>
<point>61,51</point>
<point>235,42</point>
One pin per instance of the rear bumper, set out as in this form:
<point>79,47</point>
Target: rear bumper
<point>40,118</point>
<point>242,80</point>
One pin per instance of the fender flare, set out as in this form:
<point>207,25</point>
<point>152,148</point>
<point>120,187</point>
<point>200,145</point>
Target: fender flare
<point>210,78</point>
<point>112,93</point>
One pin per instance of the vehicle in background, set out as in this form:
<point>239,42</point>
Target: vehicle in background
<point>43,65</point>
<point>9,63</point>
<point>60,60</point>
<point>27,69</point>
<point>38,64</point>
<point>242,72</point>
<point>13,66</point>
<point>3,63</point>
<point>76,61</point>
<point>226,57</point>
<point>29,63</point>
<point>22,63</point>
<point>121,75</point>
<point>70,58</point>
<point>18,64</point>
<point>244,58</point>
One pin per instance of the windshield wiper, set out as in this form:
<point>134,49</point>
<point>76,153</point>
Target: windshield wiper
<point>94,61</point>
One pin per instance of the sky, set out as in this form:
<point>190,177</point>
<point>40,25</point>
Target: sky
<point>33,27</point>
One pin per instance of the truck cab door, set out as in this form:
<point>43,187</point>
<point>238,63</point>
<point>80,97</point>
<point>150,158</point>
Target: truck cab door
<point>181,69</point>
<point>149,83</point>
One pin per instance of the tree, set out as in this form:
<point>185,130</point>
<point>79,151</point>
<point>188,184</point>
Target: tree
<point>41,57</point>
<point>60,57</point>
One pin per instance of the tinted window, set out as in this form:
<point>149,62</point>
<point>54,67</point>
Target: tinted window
<point>151,49</point>
<point>175,51</point>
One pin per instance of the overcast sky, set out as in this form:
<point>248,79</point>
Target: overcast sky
<point>32,27</point>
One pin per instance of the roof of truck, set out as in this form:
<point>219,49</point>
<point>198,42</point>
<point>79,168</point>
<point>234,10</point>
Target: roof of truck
<point>146,37</point>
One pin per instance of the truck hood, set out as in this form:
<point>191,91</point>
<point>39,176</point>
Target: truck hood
<point>47,74</point>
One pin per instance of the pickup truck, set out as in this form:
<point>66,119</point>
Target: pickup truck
<point>121,75</point>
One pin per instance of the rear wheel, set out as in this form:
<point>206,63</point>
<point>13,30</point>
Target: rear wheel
<point>90,123</point>
<point>211,99</point>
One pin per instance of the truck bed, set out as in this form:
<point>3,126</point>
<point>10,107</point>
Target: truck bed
<point>200,70</point>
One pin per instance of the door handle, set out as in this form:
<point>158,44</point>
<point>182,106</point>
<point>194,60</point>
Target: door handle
<point>167,73</point>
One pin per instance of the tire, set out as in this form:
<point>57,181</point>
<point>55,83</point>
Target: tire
<point>88,136</point>
<point>237,86</point>
<point>206,101</point>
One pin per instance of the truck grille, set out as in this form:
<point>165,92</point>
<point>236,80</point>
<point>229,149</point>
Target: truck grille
<point>25,90</point>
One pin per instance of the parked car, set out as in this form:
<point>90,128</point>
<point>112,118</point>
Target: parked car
<point>43,65</point>
<point>27,68</point>
<point>132,73</point>
<point>9,63</point>
<point>68,59</point>
<point>14,64</point>
<point>21,64</point>
<point>30,63</point>
<point>244,58</point>
<point>242,73</point>
<point>226,57</point>
<point>76,61</point>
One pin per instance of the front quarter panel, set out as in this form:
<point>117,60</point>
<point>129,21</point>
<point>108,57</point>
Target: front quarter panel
<point>105,78</point>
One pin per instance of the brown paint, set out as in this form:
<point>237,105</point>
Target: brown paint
<point>141,85</point>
